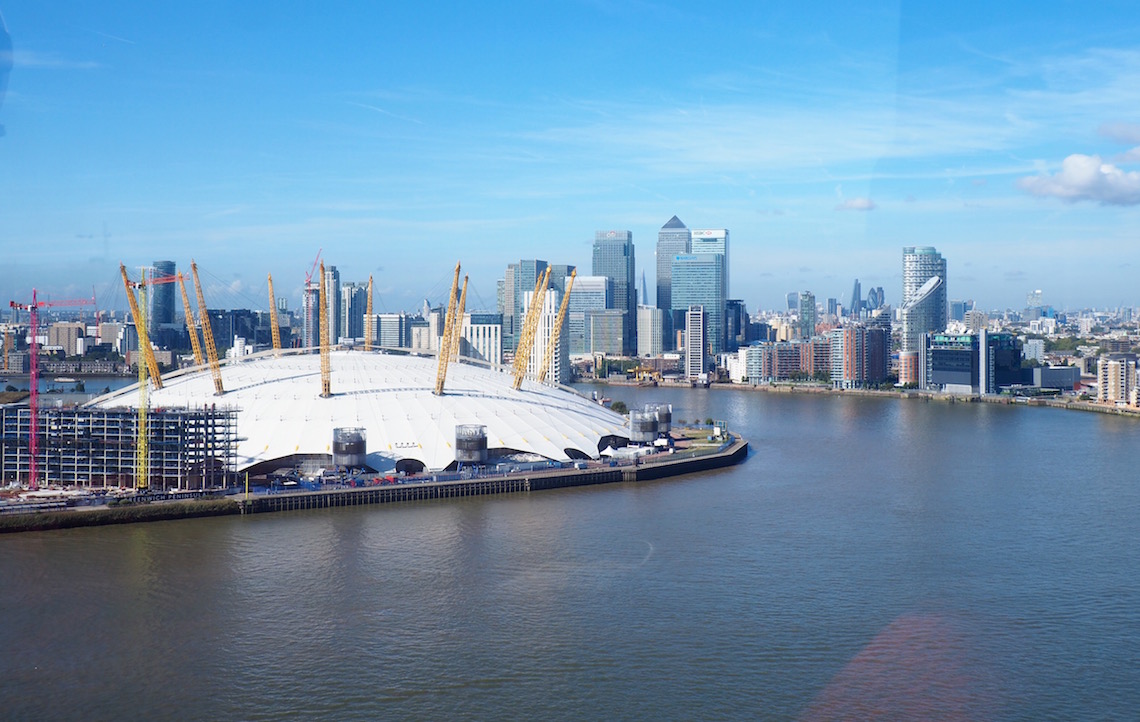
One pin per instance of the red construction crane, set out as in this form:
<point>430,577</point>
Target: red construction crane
<point>34,400</point>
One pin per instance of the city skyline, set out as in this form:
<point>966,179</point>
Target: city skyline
<point>825,138</point>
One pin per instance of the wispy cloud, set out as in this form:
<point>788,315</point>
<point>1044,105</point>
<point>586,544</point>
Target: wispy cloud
<point>1087,178</point>
<point>50,61</point>
<point>385,112</point>
<point>857,204</point>
<point>1126,133</point>
<point>109,36</point>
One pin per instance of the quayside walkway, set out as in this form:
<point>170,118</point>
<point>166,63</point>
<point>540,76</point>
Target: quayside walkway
<point>657,467</point>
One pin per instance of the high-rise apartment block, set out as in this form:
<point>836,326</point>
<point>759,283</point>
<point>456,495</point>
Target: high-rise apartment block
<point>925,308</point>
<point>332,289</point>
<point>482,337</point>
<point>559,369</point>
<point>860,356</point>
<point>696,341</point>
<point>1116,374</point>
<point>311,308</point>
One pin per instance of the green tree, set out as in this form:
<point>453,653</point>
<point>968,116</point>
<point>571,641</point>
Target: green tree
<point>619,407</point>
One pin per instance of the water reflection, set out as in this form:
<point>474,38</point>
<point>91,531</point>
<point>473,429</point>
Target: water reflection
<point>871,554</point>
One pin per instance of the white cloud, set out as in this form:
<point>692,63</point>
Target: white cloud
<point>1087,178</point>
<point>857,204</point>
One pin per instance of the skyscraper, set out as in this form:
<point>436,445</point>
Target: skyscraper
<point>559,272</point>
<point>614,258</point>
<point>714,240</point>
<point>520,279</point>
<point>649,340</point>
<point>925,309</point>
<point>698,280</point>
<point>353,304</point>
<point>672,240</point>
<point>807,315</point>
<point>735,325</point>
<point>162,299</point>
<point>332,288</point>
<point>856,306</point>
<point>590,294</point>
<point>311,305</point>
<point>695,341</point>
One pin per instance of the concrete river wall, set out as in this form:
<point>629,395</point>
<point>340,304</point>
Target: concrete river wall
<point>667,466</point>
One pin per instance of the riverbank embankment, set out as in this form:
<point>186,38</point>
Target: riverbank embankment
<point>659,466</point>
<point>913,394</point>
<point>103,516</point>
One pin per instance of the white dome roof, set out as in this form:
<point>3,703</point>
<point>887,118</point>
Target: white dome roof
<point>280,411</point>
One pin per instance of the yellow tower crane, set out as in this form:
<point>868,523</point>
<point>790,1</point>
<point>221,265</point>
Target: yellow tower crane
<point>207,333</point>
<point>191,327</point>
<point>445,337</point>
<point>145,351</point>
<point>326,374</point>
<point>457,324</point>
<point>552,344</point>
<point>369,322</point>
<point>530,326</point>
<point>273,319</point>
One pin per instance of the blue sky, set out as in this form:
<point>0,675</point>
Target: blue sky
<point>400,139</point>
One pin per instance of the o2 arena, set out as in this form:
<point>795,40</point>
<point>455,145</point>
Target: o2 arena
<point>282,419</point>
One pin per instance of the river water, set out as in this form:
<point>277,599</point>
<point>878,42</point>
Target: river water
<point>873,557</point>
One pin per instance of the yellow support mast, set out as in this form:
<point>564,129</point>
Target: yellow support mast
<point>191,327</point>
<point>326,373</point>
<point>369,322</point>
<point>273,319</point>
<point>207,333</point>
<point>445,337</point>
<point>142,435</point>
<point>145,351</point>
<point>526,340</point>
<point>552,344</point>
<point>457,324</point>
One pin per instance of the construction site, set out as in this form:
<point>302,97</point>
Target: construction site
<point>188,449</point>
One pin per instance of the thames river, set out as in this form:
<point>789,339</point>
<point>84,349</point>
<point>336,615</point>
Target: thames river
<point>873,557</point>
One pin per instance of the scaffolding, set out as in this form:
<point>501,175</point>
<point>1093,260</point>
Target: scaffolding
<point>189,449</point>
